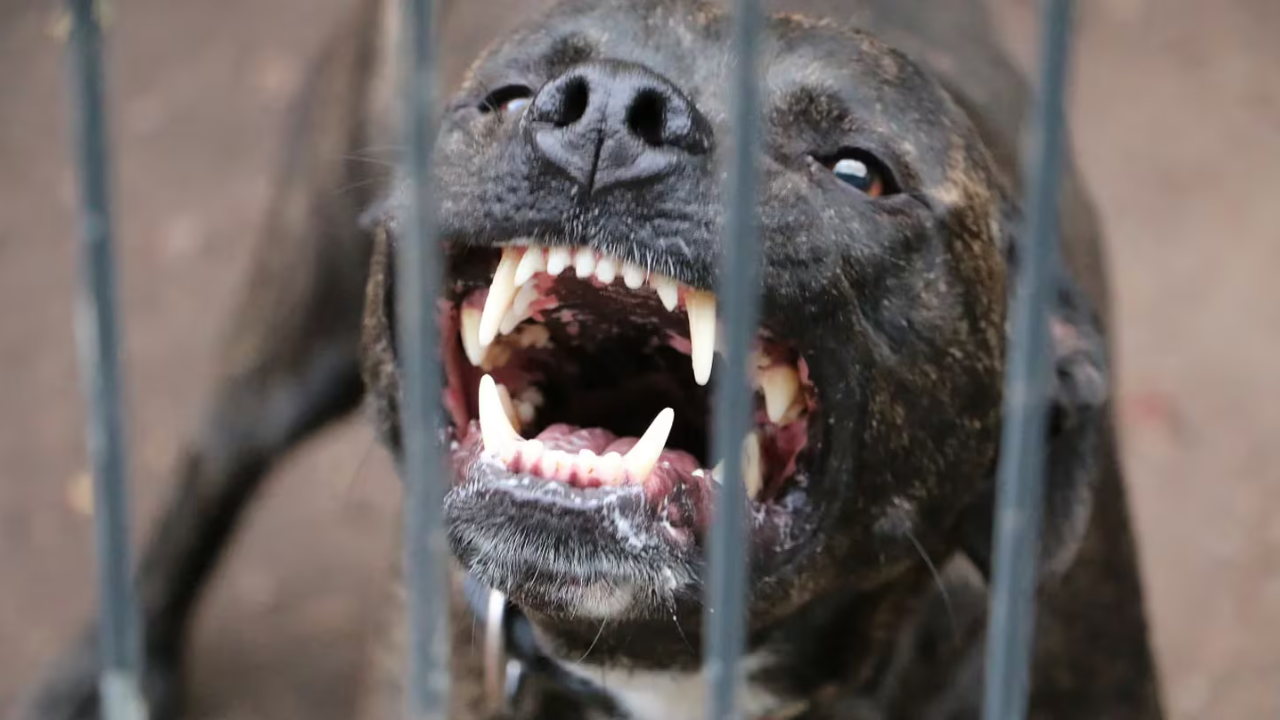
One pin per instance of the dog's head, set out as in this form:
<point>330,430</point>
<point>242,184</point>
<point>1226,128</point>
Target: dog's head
<point>579,174</point>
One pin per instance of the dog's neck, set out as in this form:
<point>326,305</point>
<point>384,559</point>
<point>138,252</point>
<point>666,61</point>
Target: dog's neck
<point>682,694</point>
<point>830,655</point>
<point>827,656</point>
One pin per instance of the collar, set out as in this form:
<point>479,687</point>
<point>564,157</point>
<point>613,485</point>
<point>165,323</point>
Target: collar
<point>512,654</point>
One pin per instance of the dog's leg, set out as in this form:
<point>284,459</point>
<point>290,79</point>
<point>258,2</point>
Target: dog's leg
<point>289,367</point>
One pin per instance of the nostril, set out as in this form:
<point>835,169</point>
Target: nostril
<point>573,101</point>
<point>647,116</point>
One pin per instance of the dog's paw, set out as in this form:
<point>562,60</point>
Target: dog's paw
<point>70,691</point>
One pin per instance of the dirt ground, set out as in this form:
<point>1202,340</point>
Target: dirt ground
<point>1177,121</point>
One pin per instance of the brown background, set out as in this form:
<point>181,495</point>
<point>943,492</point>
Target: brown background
<point>1177,121</point>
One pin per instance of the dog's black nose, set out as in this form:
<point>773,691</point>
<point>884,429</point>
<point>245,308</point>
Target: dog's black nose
<point>612,122</point>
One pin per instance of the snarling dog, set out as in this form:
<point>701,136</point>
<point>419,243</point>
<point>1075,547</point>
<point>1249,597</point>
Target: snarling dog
<point>579,168</point>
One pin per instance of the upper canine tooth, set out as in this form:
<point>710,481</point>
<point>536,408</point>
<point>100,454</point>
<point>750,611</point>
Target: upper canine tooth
<point>558,258</point>
<point>584,263</point>
<point>668,291</point>
<point>606,270</point>
<point>469,329</point>
<point>751,472</point>
<point>632,275</point>
<point>780,385</point>
<point>501,292</point>
<point>702,332</point>
<point>496,431</point>
<point>640,459</point>
<point>534,260</point>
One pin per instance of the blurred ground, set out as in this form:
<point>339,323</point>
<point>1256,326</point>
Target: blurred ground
<point>1177,123</point>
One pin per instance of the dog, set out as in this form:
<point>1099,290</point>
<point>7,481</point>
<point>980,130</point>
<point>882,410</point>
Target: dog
<point>578,170</point>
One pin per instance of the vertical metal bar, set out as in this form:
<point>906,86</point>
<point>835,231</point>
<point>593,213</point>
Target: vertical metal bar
<point>417,287</point>
<point>119,640</point>
<point>1020,483</point>
<point>739,299</point>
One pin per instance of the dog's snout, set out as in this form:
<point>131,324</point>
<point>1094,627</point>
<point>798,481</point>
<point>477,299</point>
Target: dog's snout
<point>611,122</point>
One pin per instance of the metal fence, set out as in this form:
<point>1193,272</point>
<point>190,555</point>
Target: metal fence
<point>1021,471</point>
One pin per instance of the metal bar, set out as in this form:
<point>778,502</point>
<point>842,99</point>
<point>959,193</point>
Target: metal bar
<point>119,640</point>
<point>417,287</point>
<point>738,299</point>
<point>1020,483</point>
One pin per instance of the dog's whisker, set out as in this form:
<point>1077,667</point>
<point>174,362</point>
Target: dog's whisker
<point>371,160</point>
<point>592,646</point>
<point>357,472</point>
<point>680,630</point>
<point>396,147</point>
<point>937,580</point>
<point>356,185</point>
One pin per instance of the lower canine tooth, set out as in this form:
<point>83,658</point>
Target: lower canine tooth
<point>501,292</point>
<point>701,307</point>
<point>639,461</point>
<point>469,329</point>
<point>496,431</point>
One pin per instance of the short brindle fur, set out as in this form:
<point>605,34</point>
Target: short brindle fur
<point>897,303</point>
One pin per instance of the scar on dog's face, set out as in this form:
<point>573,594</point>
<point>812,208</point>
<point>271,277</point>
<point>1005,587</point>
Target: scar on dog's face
<point>579,172</point>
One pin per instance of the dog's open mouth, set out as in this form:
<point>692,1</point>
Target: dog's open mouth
<point>568,367</point>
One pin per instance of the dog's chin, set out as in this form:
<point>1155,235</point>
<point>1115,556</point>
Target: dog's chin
<point>579,432</point>
<point>612,553</point>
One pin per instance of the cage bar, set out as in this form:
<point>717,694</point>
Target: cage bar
<point>1020,479</point>
<point>418,278</point>
<point>97,340</point>
<point>738,297</point>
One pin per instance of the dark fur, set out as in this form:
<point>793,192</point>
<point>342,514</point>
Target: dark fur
<point>904,302</point>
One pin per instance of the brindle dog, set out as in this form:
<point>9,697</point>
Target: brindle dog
<point>591,136</point>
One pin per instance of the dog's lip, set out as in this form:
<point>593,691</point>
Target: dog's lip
<point>679,511</point>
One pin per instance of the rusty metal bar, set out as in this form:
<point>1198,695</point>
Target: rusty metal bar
<point>1020,483</point>
<point>97,339</point>
<point>418,279</point>
<point>738,295</point>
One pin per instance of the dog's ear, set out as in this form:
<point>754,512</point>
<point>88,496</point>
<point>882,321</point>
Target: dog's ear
<point>1078,418</point>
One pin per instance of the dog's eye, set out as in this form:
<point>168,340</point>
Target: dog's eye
<point>508,100</point>
<point>863,171</point>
